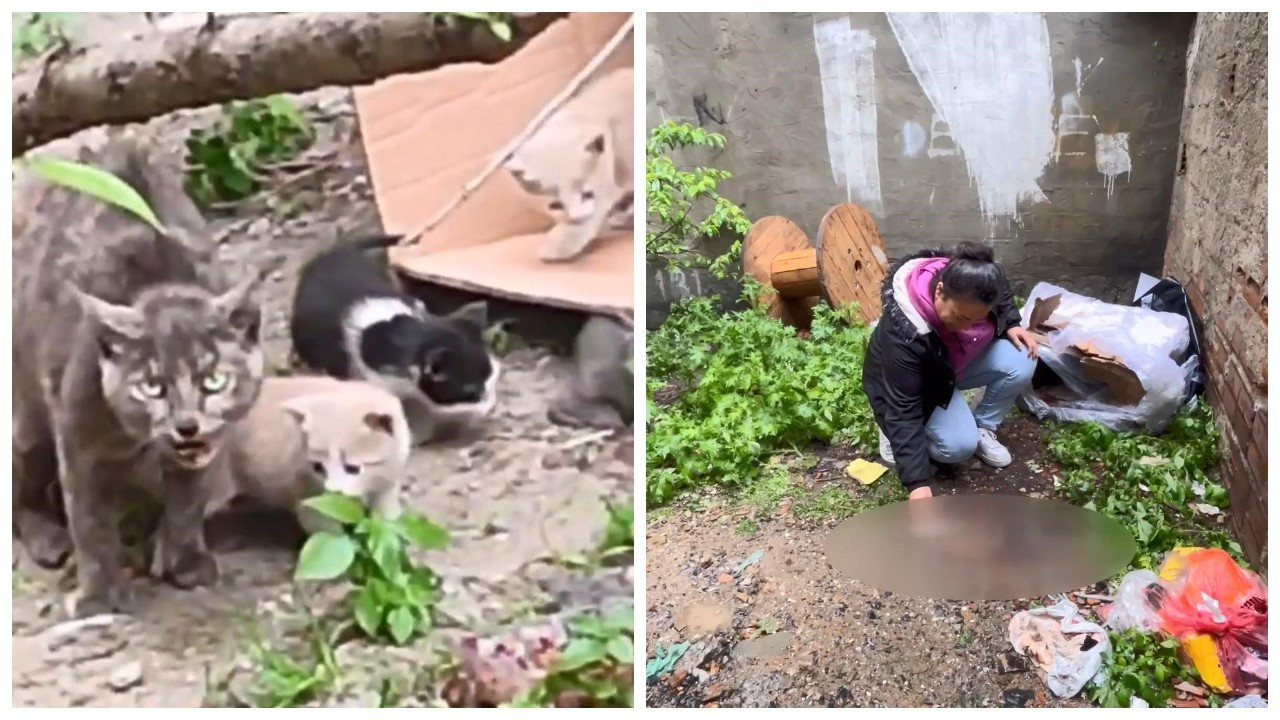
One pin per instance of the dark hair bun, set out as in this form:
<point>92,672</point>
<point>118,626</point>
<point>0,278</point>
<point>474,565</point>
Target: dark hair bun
<point>978,252</point>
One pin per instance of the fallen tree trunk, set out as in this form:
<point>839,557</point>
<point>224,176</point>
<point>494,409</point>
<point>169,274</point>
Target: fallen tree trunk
<point>241,58</point>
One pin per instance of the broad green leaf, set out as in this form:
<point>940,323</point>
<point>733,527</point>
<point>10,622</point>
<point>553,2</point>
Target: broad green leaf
<point>400,624</point>
<point>336,506</point>
<point>421,532</point>
<point>385,547</point>
<point>621,649</point>
<point>501,30</point>
<point>325,556</point>
<point>580,653</point>
<point>368,614</point>
<point>98,183</point>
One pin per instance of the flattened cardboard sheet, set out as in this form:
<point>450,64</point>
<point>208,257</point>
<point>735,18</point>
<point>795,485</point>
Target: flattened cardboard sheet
<point>426,135</point>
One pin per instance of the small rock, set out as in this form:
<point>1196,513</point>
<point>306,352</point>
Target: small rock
<point>261,226</point>
<point>967,615</point>
<point>765,646</point>
<point>703,618</point>
<point>126,676</point>
<point>1016,698</point>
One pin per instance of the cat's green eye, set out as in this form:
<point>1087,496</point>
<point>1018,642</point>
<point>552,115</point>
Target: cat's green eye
<point>215,382</point>
<point>151,389</point>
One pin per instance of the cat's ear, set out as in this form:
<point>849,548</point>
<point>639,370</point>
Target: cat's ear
<point>596,146</point>
<point>474,313</point>
<point>380,422</point>
<point>114,323</point>
<point>300,410</point>
<point>240,306</point>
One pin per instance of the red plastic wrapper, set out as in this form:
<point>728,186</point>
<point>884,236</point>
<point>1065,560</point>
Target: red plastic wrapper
<point>1210,594</point>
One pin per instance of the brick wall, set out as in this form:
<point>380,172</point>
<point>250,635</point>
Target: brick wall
<point>1218,245</point>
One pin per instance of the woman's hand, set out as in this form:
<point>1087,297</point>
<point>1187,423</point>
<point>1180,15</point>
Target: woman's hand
<point>1023,340</point>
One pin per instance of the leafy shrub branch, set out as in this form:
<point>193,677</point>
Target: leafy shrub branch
<point>683,206</point>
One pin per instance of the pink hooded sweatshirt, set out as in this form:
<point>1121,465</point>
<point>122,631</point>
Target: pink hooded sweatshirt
<point>963,346</point>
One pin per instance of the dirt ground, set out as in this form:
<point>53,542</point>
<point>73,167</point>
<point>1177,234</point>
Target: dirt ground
<point>790,631</point>
<point>520,493</point>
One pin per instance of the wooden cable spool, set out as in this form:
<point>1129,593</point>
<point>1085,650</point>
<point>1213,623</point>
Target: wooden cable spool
<point>850,267</point>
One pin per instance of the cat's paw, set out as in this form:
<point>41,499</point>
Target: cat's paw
<point>191,569</point>
<point>563,246</point>
<point>572,411</point>
<point>48,544</point>
<point>112,598</point>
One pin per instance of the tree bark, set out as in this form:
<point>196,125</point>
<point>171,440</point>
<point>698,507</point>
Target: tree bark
<point>242,58</point>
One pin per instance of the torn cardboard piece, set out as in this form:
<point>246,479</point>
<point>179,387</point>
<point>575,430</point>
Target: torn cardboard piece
<point>427,134</point>
<point>1119,365</point>
<point>1098,367</point>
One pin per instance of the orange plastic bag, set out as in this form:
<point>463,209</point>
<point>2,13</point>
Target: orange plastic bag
<point>1208,594</point>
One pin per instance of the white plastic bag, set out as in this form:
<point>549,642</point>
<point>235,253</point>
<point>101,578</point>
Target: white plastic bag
<point>1045,635</point>
<point>1130,608</point>
<point>1144,340</point>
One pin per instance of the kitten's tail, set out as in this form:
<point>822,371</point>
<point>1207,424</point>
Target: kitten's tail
<point>376,242</point>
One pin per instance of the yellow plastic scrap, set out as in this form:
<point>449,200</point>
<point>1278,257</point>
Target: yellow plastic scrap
<point>1200,649</point>
<point>1174,562</point>
<point>865,472</point>
<point>1203,652</point>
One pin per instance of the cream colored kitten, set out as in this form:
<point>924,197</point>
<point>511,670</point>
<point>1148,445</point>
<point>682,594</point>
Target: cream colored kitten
<point>310,434</point>
<point>581,162</point>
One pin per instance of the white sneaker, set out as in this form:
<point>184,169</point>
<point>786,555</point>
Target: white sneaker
<point>990,451</point>
<point>886,450</point>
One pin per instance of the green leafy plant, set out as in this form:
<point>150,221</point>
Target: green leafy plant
<point>93,181</point>
<point>283,680</point>
<point>390,596</point>
<point>1157,486</point>
<point>226,162</point>
<point>1142,665</point>
<point>617,544</point>
<point>683,206</point>
<point>36,33</point>
<point>747,387</point>
<point>596,663</point>
<point>499,23</point>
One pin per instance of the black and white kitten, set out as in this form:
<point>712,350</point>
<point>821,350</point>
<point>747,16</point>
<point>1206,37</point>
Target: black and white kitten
<point>351,321</point>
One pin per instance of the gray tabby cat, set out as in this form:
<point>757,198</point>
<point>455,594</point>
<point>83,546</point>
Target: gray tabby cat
<point>131,359</point>
<point>600,391</point>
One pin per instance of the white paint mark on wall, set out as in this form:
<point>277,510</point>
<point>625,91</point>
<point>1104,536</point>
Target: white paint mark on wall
<point>849,108</point>
<point>1083,72</point>
<point>941,144</point>
<point>913,139</point>
<point>989,78</point>
<point>673,284</point>
<point>1112,156</point>
<point>1072,122</point>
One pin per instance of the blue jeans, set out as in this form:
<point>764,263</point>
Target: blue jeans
<point>1005,372</point>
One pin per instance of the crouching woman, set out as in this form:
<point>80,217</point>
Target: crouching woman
<point>949,324</point>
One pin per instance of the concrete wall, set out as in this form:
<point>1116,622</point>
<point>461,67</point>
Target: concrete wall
<point>1060,148</point>
<point>1218,245</point>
